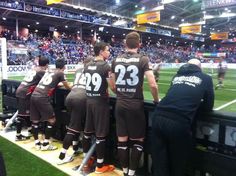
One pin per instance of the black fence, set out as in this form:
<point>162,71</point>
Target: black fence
<point>215,135</point>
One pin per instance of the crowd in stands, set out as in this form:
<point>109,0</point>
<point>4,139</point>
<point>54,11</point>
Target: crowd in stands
<point>75,51</point>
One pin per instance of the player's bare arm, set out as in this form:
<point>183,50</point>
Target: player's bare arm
<point>111,82</point>
<point>66,84</point>
<point>152,85</point>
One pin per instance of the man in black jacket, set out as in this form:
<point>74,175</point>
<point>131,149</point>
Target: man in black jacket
<point>171,124</point>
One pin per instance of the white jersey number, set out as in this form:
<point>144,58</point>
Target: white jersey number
<point>95,79</point>
<point>80,79</point>
<point>133,79</point>
<point>47,79</point>
<point>29,77</point>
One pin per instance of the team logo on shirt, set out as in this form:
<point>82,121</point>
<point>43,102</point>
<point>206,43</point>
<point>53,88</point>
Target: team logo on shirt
<point>188,80</point>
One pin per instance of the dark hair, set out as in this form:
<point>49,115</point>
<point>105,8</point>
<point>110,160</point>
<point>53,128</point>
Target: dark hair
<point>88,59</point>
<point>132,40</point>
<point>30,55</point>
<point>43,61</point>
<point>100,46</point>
<point>60,63</point>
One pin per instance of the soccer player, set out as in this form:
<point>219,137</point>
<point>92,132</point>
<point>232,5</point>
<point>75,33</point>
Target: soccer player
<point>23,94</point>
<point>211,65</point>
<point>76,104</point>
<point>128,72</point>
<point>98,115</point>
<point>222,67</point>
<point>172,119</point>
<point>41,109</point>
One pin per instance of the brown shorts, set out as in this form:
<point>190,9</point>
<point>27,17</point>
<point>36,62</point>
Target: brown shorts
<point>41,109</point>
<point>130,119</point>
<point>76,105</point>
<point>97,117</point>
<point>23,106</point>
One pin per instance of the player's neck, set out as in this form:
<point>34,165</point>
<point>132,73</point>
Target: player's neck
<point>132,50</point>
<point>43,67</point>
<point>99,58</point>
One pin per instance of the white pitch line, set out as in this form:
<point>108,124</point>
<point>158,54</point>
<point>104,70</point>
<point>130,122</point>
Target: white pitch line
<point>168,72</point>
<point>164,83</point>
<point>231,89</point>
<point>225,105</point>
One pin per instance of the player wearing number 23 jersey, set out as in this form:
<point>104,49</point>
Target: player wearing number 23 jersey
<point>128,72</point>
<point>97,118</point>
<point>41,108</point>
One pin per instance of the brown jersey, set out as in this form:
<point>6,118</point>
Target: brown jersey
<point>48,83</point>
<point>96,73</point>
<point>129,70</point>
<point>29,82</point>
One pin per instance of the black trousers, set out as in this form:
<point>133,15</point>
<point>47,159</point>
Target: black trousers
<point>171,146</point>
<point>2,166</point>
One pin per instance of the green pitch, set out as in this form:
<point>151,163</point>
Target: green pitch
<point>21,163</point>
<point>222,96</point>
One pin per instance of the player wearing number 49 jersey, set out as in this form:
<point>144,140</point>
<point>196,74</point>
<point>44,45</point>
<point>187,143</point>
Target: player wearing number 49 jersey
<point>41,109</point>
<point>97,118</point>
<point>128,72</point>
<point>23,94</point>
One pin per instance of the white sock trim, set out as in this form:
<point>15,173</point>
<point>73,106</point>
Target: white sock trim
<point>131,172</point>
<point>36,141</point>
<point>125,170</point>
<point>75,142</point>
<point>100,160</point>
<point>63,150</point>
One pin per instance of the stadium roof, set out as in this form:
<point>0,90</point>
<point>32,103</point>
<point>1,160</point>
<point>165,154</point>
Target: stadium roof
<point>173,14</point>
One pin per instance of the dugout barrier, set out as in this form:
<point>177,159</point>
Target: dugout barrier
<point>215,135</point>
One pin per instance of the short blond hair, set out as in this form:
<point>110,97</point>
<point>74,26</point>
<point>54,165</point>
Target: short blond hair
<point>132,40</point>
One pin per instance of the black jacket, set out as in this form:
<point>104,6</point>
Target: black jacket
<point>189,89</point>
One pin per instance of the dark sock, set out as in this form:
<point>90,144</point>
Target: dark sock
<point>45,143</point>
<point>100,150</point>
<point>28,122</point>
<point>35,130</point>
<point>48,132</point>
<point>86,143</point>
<point>75,142</point>
<point>19,123</point>
<point>136,153</point>
<point>123,154</point>
<point>62,156</point>
<point>67,140</point>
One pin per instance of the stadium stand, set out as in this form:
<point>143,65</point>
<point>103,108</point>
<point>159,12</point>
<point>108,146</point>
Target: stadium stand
<point>75,51</point>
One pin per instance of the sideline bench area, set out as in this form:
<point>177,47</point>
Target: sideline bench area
<point>215,136</point>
